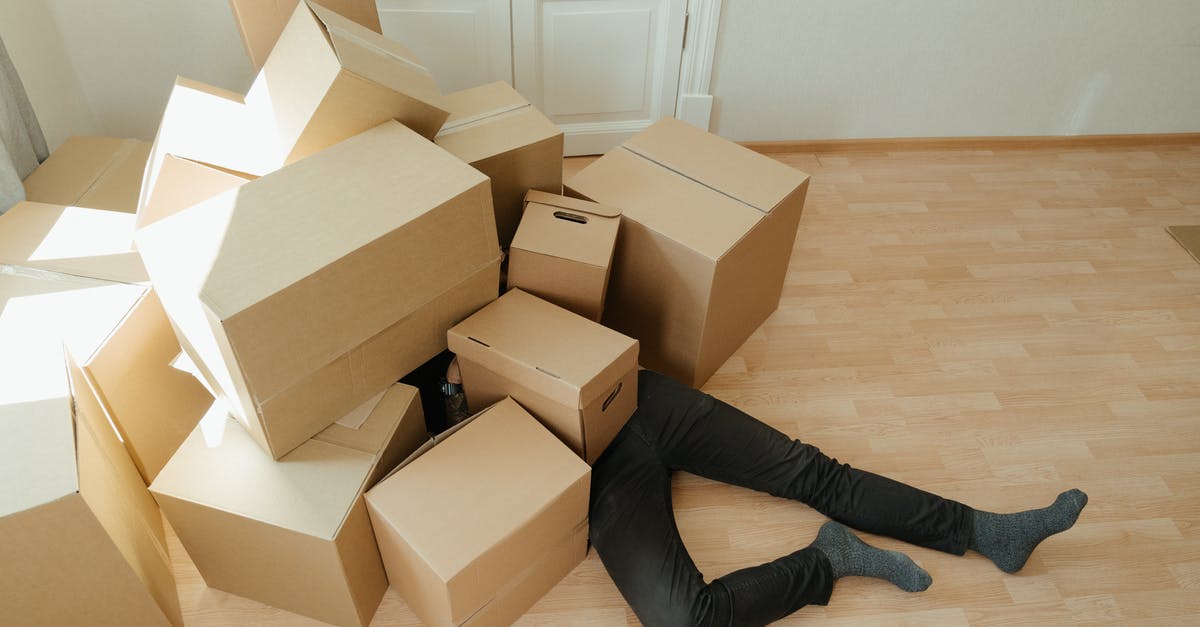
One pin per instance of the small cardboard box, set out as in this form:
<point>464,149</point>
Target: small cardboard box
<point>72,240</point>
<point>575,376</point>
<point>563,251</point>
<point>707,229</point>
<point>261,21</point>
<point>498,132</point>
<point>94,172</point>
<point>292,533</point>
<point>304,293</point>
<point>83,541</point>
<point>481,523</point>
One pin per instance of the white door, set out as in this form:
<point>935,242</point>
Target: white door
<point>465,43</point>
<point>600,69</point>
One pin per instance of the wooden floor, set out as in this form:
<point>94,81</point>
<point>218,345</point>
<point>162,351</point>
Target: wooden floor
<point>992,326</point>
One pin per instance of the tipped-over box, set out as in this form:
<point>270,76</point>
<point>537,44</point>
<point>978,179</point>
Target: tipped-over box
<point>71,240</point>
<point>83,541</point>
<point>577,377</point>
<point>95,172</point>
<point>303,293</point>
<point>292,533</point>
<point>563,251</point>
<point>707,229</point>
<point>260,22</point>
<point>478,525</point>
<point>498,132</point>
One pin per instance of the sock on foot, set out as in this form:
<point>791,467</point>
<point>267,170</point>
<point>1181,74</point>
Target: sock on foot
<point>1009,539</point>
<point>850,556</point>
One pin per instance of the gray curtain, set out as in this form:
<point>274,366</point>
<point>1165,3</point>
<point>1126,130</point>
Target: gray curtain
<point>22,146</point>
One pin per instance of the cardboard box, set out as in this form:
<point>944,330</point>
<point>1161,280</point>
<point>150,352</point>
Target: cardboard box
<point>575,376</point>
<point>71,240</point>
<point>563,251</point>
<point>707,229</point>
<point>94,172</point>
<point>261,21</point>
<point>303,293</point>
<point>477,526</point>
<point>293,534</point>
<point>83,539</point>
<point>498,132</point>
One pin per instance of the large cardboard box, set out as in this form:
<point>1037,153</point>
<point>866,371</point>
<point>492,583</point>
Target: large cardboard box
<point>707,229</point>
<point>260,22</point>
<point>577,377</point>
<point>95,172</point>
<point>303,293</point>
<point>498,132</point>
<point>83,541</point>
<point>563,251</point>
<point>292,533</point>
<point>477,526</point>
<point>71,240</point>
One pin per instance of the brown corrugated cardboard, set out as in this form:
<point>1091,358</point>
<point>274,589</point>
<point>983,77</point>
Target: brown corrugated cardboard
<point>72,240</point>
<point>303,293</point>
<point>83,539</point>
<point>707,230</point>
<point>575,376</point>
<point>563,251</point>
<point>94,172</point>
<point>261,21</point>
<point>474,529</point>
<point>498,132</point>
<point>294,533</point>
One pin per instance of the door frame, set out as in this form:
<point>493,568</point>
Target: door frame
<point>695,101</point>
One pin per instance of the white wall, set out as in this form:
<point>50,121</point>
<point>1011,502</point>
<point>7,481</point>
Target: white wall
<point>817,69</point>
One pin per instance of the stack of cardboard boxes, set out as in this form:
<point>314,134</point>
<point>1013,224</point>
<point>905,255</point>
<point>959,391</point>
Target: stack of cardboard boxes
<point>308,243</point>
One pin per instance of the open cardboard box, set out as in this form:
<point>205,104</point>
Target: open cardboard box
<point>577,377</point>
<point>481,522</point>
<point>83,539</point>
<point>260,22</point>
<point>292,533</point>
<point>72,240</point>
<point>304,293</point>
<point>563,251</point>
<point>94,172</point>
<point>707,229</point>
<point>499,133</point>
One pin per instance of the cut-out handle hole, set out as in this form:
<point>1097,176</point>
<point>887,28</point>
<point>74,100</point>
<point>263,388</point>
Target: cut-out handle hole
<point>571,217</point>
<point>611,397</point>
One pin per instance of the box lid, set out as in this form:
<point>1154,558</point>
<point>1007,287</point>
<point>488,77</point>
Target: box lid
<point>491,119</point>
<point>310,490</point>
<point>41,313</point>
<point>568,228</point>
<point>96,172</point>
<point>472,490</point>
<point>73,240</point>
<point>564,356</point>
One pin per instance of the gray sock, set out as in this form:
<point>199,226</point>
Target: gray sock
<point>1008,539</point>
<point>851,556</point>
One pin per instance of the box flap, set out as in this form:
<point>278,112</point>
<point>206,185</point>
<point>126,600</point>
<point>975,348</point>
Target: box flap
<point>545,347</point>
<point>96,172</point>
<point>72,240</point>
<point>571,204</point>
<point>477,103</point>
<point>721,165</point>
<point>383,412</point>
<point>502,131</point>
<point>568,232</point>
<point>182,183</point>
<point>477,487</point>
<point>260,21</point>
<point>37,316</point>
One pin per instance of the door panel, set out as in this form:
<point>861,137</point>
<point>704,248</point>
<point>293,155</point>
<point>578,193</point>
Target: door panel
<point>465,43</point>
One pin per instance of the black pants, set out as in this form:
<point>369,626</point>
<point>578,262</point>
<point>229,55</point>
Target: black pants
<point>679,428</point>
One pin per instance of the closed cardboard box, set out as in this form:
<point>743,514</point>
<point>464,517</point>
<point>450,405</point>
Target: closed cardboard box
<point>304,293</point>
<point>261,21</point>
<point>480,524</point>
<point>563,251</point>
<point>707,229</point>
<point>575,376</point>
<point>94,172</point>
<point>292,533</point>
<point>83,539</point>
<point>72,240</point>
<point>497,131</point>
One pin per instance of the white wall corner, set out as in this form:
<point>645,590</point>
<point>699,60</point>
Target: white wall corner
<point>694,104</point>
